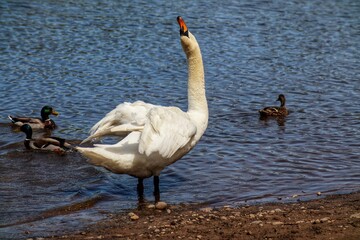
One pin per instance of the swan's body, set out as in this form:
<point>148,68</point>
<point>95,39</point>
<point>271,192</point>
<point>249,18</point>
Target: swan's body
<point>275,111</point>
<point>154,136</point>
<point>47,144</point>
<point>37,123</point>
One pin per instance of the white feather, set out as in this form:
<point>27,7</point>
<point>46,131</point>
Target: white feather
<point>167,130</point>
<point>153,136</point>
<point>122,120</point>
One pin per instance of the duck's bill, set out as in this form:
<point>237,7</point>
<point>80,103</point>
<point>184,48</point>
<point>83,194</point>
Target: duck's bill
<point>54,113</point>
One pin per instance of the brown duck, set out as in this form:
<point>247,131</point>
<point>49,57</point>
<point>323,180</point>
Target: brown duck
<point>275,111</point>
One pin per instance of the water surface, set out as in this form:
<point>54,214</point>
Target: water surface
<point>85,57</point>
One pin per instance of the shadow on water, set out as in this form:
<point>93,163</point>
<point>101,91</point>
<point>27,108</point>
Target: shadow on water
<point>60,211</point>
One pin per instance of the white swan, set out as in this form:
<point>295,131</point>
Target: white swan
<point>154,136</point>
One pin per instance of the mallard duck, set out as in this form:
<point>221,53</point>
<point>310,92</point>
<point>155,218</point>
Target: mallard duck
<point>155,136</point>
<point>37,123</point>
<point>53,144</point>
<point>275,111</point>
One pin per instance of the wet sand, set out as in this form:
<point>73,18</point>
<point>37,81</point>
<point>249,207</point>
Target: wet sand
<point>332,217</point>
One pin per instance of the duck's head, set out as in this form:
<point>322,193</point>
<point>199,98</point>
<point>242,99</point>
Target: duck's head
<point>188,41</point>
<point>281,98</point>
<point>26,128</point>
<point>46,111</point>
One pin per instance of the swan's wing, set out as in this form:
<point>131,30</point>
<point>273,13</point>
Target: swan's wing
<point>167,130</point>
<point>122,120</point>
<point>125,113</point>
<point>121,130</point>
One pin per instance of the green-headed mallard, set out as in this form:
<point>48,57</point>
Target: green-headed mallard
<point>37,123</point>
<point>275,111</point>
<point>53,144</point>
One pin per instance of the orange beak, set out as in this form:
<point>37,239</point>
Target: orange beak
<point>183,27</point>
<point>54,113</point>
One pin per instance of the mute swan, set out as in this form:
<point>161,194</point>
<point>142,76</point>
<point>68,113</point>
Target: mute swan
<point>275,111</point>
<point>154,136</point>
<point>52,144</point>
<point>36,123</point>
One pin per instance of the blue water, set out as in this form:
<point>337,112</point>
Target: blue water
<point>85,57</point>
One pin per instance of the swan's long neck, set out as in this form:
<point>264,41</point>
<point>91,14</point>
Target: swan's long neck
<point>196,82</point>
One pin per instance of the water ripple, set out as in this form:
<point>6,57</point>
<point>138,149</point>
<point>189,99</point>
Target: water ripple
<point>85,57</point>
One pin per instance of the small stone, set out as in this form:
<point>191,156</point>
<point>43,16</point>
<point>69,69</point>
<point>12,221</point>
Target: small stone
<point>356,215</point>
<point>317,221</point>
<point>133,216</point>
<point>278,210</point>
<point>168,211</point>
<point>223,218</point>
<point>157,230</point>
<point>248,232</point>
<point>252,215</point>
<point>295,196</point>
<point>207,209</point>
<point>161,205</point>
<point>277,223</point>
<point>318,193</point>
<point>325,219</point>
<point>256,222</point>
<point>301,221</point>
<point>151,206</point>
<point>118,235</point>
<point>199,237</point>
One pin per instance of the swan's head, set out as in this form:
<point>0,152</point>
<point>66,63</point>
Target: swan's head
<point>188,41</point>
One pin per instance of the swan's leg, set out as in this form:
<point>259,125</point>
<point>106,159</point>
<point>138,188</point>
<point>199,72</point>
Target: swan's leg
<point>156,188</point>
<point>140,189</point>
